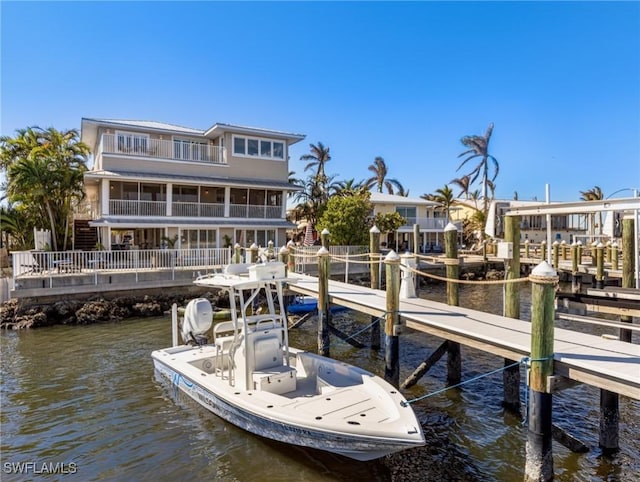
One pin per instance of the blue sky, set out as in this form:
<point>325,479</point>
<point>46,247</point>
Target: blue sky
<point>405,81</point>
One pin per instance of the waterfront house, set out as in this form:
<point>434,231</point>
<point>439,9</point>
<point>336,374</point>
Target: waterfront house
<point>564,227</point>
<point>428,215</point>
<point>158,185</point>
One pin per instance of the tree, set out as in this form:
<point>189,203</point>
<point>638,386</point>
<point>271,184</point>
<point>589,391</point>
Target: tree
<point>389,222</point>
<point>593,194</point>
<point>347,188</point>
<point>16,229</point>
<point>348,219</point>
<point>318,158</point>
<point>311,201</point>
<point>380,180</point>
<point>478,147</point>
<point>444,196</point>
<point>45,170</point>
<point>464,184</point>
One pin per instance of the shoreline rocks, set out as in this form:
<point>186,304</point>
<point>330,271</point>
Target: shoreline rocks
<point>13,316</point>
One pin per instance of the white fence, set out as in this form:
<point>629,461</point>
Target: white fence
<point>54,263</point>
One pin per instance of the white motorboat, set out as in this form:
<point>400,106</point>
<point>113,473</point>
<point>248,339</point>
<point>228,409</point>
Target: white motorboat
<point>251,377</point>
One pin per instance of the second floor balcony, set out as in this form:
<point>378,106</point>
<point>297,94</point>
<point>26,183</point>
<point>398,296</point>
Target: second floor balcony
<point>435,224</point>
<point>122,207</point>
<point>143,146</point>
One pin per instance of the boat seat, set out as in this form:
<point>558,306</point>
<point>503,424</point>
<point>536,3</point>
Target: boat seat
<point>269,373</point>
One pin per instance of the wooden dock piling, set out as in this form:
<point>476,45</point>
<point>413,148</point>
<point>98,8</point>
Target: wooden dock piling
<point>374,270</point>
<point>237,253</point>
<point>609,401</point>
<point>599,279</point>
<point>511,375</point>
<point>539,463</point>
<point>253,253</point>
<point>324,312</point>
<point>454,357</point>
<point>392,319</point>
<point>576,277</point>
<point>555,246</point>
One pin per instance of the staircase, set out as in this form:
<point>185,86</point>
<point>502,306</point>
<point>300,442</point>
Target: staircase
<point>85,237</point>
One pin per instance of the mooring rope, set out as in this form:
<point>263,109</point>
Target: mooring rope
<point>466,281</point>
<point>524,361</point>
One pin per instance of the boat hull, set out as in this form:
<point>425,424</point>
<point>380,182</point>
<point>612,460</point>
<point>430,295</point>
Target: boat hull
<point>222,404</point>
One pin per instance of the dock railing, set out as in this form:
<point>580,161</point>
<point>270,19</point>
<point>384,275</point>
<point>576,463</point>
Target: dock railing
<point>52,264</point>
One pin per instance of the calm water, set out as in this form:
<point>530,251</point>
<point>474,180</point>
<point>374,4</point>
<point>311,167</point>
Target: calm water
<point>87,396</point>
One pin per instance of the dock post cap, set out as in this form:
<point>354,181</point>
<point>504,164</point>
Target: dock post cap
<point>323,251</point>
<point>544,269</point>
<point>450,227</point>
<point>600,245</point>
<point>556,243</point>
<point>237,245</point>
<point>253,246</point>
<point>374,230</point>
<point>392,256</point>
<point>325,231</point>
<point>284,249</point>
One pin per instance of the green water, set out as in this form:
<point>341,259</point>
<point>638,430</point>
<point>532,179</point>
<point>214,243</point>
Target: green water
<point>85,398</point>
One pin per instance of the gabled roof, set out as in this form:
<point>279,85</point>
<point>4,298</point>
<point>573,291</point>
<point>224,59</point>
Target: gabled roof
<point>383,198</point>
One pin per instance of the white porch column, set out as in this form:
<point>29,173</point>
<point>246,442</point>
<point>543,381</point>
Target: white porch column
<point>283,214</point>
<point>227,201</point>
<point>105,196</point>
<point>169,199</point>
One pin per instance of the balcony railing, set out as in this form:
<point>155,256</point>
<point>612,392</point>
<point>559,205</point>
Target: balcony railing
<point>165,149</point>
<point>427,223</point>
<point>122,207</point>
<point>253,211</point>
<point>189,209</point>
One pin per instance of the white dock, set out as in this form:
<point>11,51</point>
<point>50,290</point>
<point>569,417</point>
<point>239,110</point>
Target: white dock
<point>603,363</point>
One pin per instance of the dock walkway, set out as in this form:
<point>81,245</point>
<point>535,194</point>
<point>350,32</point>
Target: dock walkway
<point>607,364</point>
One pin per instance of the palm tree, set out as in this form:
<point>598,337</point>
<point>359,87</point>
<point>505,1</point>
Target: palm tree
<point>347,188</point>
<point>593,194</point>
<point>444,196</point>
<point>318,158</point>
<point>45,170</point>
<point>478,147</point>
<point>379,179</point>
<point>464,183</point>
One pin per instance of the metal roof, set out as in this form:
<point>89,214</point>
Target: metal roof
<point>142,124</point>
<point>383,198</point>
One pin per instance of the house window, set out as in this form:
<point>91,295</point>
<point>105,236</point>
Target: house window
<point>132,143</point>
<point>255,147</point>
<point>239,146</point>
<point>246,237</point>
<point>408,213</point>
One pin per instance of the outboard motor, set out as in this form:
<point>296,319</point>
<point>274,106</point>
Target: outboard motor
<point>198,317</point>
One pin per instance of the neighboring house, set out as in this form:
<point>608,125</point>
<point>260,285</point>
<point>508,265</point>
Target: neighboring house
<point>155,185</point>
<point>564,227</point>
<point>429,215</point>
